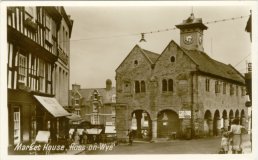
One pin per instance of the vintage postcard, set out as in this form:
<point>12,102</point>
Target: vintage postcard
<point>127,79</point>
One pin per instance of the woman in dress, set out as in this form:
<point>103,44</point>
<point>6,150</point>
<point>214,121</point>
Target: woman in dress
<point>236,133</point>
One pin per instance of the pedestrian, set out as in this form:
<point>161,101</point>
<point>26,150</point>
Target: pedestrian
<point>76,138</point>
<point>84,137</point>
<point>236,134</point>
<point>224,145</point>
<point>130,135</point>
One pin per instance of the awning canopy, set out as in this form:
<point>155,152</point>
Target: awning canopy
<point>110,129</point>
<point>74,117</point>
<point>42,136</point>
<point>52,106</point>
<point>94,131</point>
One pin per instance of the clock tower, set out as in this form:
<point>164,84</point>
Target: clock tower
<point>191,33</point>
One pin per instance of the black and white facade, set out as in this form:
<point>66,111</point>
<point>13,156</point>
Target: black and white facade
<point>38,58</point>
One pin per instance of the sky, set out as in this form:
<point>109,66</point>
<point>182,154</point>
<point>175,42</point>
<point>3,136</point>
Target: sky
<point>103,36</point>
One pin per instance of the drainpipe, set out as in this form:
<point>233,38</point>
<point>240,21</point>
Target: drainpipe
<point>192,103</point>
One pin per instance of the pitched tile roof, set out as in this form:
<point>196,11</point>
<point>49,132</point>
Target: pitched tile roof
<point>208,65</point>
<point>205,64</point>
<point>106,95</point>
<point>151,55</point>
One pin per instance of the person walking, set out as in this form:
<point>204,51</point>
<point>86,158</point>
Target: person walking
<point>236,134</point>
<point>130,134</point>
<point>224,143</point>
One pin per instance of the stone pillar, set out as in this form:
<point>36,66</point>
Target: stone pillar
<point>122,122</point>
<point>218,126</point>
<point>226,123</point>
<point>205,127</point>
<point>210,126</point>
<point>154,129</point>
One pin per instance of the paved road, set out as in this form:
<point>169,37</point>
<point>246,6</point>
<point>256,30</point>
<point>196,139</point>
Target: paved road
<point>195,146</point>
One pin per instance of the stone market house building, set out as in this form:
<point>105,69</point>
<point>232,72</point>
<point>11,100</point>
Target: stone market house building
<point>35,47</point>
<point>95,105</point>
<point>181,91</point>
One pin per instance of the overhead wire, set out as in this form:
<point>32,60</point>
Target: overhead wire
<point>156,31</point>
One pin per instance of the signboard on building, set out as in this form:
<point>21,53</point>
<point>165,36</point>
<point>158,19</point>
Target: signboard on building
<point>184,114</point>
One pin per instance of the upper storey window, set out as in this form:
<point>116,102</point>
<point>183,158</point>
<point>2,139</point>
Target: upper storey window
<point>232,89</point>
<point>207,85</point>
<point>22,68</point>
<point>172,59</point>
<point>30,13</point>
<point>167,85</point>
<point>135,63</point>
<point>140,86</point>
<point>224,88</point>
<point>48,29</point>
<point>217,87</point>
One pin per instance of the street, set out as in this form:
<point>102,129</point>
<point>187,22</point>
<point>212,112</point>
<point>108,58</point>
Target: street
<point>196,146</point>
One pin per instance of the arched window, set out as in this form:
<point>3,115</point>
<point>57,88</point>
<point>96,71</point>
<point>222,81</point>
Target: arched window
<point>170,85</point>
<point>137,87</point>
<point>135,63</point>
<point>172,59</point>
<point>164,85</point>
<point>143,86</point>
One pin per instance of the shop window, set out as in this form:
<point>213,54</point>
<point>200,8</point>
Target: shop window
<point>16,124</point>
<point>77,112</point>
<point>164,85</point>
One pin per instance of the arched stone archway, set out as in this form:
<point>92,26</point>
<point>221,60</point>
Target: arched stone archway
<point>225,122</point>
<point>237,114</point>
<point>216,123</point>
<point>141,124</point>
<point>207,123</point>
<point>168,122</point>
<point>231,117</point>
<point>242,118</point>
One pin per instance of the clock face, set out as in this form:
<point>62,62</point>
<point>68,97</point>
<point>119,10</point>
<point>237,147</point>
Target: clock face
<point>188,39</point>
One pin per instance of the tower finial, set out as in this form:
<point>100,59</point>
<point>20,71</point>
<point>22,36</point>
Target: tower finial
<point>192,10</point>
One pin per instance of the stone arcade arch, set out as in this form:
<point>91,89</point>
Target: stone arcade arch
<point>168,122</point>
<point>207,123</point>
<point>237,114</point>
<point>225,122</point>
<point>242,118</point>
<point>216,123</point>
<point>141,124</point>
<point>231,117</point>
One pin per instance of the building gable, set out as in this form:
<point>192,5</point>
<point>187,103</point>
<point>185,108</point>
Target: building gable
<point>174,58</point>
<point>136,58</point>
